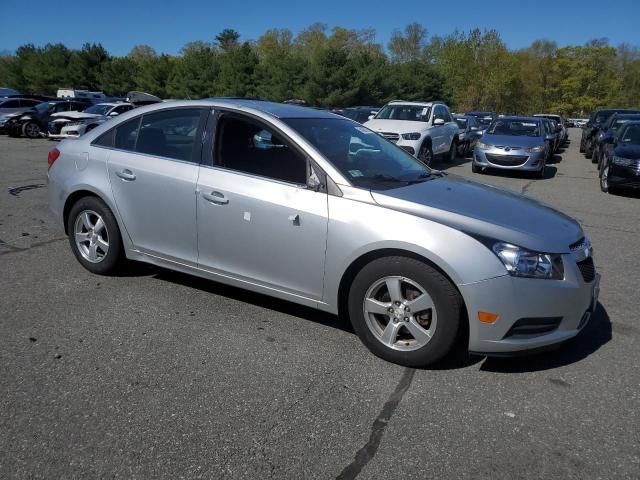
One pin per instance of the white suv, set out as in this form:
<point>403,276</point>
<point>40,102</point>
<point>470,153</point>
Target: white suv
<point>423,129</point>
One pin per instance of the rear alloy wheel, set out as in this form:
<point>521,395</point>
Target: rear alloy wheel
<point>94,236</point>
<point>425,155</point>
<point>405,311</point>
<point>31,130</point>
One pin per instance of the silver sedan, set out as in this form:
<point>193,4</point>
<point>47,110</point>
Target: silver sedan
<point>314,208</point>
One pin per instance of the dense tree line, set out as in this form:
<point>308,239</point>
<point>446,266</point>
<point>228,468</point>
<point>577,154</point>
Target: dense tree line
<point>343,67</point>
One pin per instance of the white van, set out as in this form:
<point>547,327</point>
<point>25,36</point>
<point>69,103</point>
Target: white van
<point>71,93</point>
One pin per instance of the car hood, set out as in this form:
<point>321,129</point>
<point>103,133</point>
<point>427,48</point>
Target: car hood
<point>487,211</point>
<point>628,151</point>
<point>512,140</point>
<point>398,126</point>
<point>74,115</point>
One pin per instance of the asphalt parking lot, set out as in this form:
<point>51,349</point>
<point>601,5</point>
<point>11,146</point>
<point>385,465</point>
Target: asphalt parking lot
<point>155,374</point>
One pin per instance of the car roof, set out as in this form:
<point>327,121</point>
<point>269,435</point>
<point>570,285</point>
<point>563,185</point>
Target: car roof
<point>419,104</point>
<point>522,119</point>
<point>113,104</point>
<point>478,112</point>
<point>278,110</point>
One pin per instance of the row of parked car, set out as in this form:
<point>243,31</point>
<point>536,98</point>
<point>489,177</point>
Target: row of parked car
<point>611,139</point>
<point>36,116</point>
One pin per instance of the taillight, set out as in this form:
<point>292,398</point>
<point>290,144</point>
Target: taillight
<point>53,156</point>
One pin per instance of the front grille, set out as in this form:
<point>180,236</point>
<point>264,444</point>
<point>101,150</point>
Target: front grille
<point>587,269</point>
<point>507,160</point>
<point>533,327</point>
<point>391,136</point>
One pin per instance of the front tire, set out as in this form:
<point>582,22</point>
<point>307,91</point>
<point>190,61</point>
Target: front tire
<point>453,152</point>
<point>425,155</point>
<point>604,179</point>
<point>475,168</point>
<point>31,130</point>
<point>405,311</point>
<point>94,236</point>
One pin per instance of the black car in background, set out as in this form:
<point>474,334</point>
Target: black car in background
<point>609,129</point>
<point>359,114</point>
<point>484,118</point>
<point>33,123</point>
<point>14,107</point>
<point>621,159</point>
<point>469,131</point>
<point>593,126</point>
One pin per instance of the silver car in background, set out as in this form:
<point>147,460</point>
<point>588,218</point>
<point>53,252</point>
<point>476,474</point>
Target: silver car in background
<point>513,143</point>
<point>317,209</point>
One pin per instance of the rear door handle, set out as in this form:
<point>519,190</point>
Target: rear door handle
<point>215,197</point>
<point>126,174</point>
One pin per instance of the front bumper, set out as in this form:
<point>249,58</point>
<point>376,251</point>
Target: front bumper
<point>532,313</point>
<point>512,160</point>
<point>628,177</point>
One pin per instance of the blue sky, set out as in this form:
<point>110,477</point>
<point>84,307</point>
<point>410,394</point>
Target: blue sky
<point>168,25</point>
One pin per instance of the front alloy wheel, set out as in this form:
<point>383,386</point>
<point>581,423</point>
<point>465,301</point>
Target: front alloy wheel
<point>425,155</point>
<point>32,130</point>
<point>604,179</point>
<point>405,310</point>
<point>400,313</point>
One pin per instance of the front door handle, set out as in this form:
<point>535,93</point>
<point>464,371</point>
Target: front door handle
<point>215,197</point>
<point>126,174</point>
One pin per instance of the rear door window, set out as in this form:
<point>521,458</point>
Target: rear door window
<point>127,134</point>
<point>171,134</point>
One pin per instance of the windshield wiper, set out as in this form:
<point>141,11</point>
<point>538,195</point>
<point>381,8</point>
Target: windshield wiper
<point>387,178</point>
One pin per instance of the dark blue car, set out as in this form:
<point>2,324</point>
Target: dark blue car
<point>621,162</point>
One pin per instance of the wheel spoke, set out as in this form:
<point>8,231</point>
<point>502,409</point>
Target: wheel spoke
<point>99,226</point>
<point>423,302</point>
<point>374,306</point>
<point>104,246</point>
<point>82,237</point>
<point>86,221</point>
<point>419,333</point>
<point>93,252</point>
<point>395,292</point>
<point>390,333</point>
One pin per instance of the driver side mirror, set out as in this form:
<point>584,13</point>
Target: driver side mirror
<point>438,122</point>
<point>549,137</point>
<point>371,117</point>
<point>113,114</point>
<point>608,139</point>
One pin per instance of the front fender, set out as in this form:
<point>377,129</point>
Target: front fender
<point>358,228</point>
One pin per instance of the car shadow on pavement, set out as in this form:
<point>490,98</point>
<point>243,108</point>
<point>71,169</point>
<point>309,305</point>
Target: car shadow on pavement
<point>257,299</point>
<point>596,334</point>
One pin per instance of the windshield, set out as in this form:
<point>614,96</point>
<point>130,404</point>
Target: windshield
<point>631,135</point>
<point>462,123</point>
<point>362,156</point>
<point>484,121</point>
<point>619,122</point>
<point>514,127</point>
<point>44,106</point>
<point>99,109</point>
<point>602,116</point>
<point>397,111</point>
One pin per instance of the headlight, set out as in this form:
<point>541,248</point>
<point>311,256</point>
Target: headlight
<point>461,136</point>
<point>483,146</point>
<point>523,263</point>
<point>623,162</point>
<point>27,117</point>
<point>411,136</point>
<point>536,149</point>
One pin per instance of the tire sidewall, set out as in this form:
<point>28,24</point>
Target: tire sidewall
<point>426,147</point>
<point>446,298</point>
<point>112,260</point>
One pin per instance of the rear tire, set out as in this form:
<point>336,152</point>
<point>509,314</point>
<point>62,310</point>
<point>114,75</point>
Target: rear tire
<point>604,179</point>
<point>414,324</point>
<point>475,168</point>
<point>453,152</point>
<point>94,236</point>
